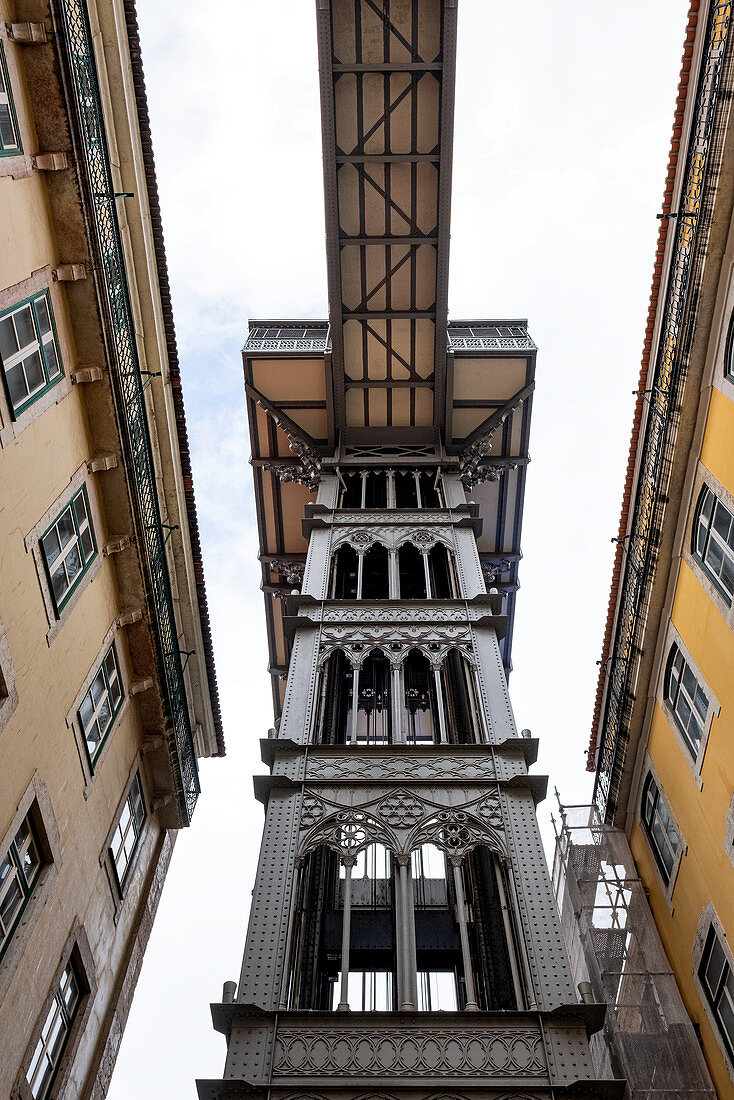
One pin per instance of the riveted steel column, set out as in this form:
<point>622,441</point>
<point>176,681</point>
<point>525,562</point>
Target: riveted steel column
<point>443,734</point>
<point>407,967</point>
<point>471,999</point>
<point>347,863</point>
<point>398,726</point>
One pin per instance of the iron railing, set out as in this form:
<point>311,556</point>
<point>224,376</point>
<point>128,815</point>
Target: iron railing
<point>664,398</point>
<point>129,383</point>
<point>488,336</point>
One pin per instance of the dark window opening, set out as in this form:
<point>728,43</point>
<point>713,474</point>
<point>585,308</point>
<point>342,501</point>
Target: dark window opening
<point>660,828</point>
<point>351,493</point>
<point>440,573</point>
<point>421,723</point>
<point>429,492</point>
<point>332,723</point>
<point>460,701</point>
<point>344,573</point>
<point>375,489</point>
<point>406,490</point>
<point>490,954</point>
<point>417,489</point>
<point>375,573</point>
<point>412,573</point>
<point>373,725</point>
<point>717,979</point>
<point>316,970</point>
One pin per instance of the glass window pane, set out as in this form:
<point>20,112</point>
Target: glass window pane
<point>44,321</point>
<point>73,564</point>
<point>59,583</point>
<point>51,546</point>
<point>11,899</point>
<point>16,384</point>
<point>97,689</point>
<point>24,327</point>
<point>714,556</point>
<point>7,133</point>
<point>31,862</point>
<point>65,527</point>
<point>115,691</point>
<point>727,575</point>
<point>87,543</point>
<point>6,866</point>
<point>722,521</point>
<point>80,507</point>
<point>33,369</point>
<point>708,503</point>
<point>8,342</point>
<point>104,716</point>
<point>86,711</point>
<point>714,966</point>
<point>110,664</point>
<point>52,359</point>
<point>683,710</point>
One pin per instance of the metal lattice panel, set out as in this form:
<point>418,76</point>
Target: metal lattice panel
<point>664,401</point>
<point>128,382</point>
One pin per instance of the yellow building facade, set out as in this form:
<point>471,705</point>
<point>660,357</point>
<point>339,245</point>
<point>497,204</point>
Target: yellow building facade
<point>663,738</point>
<point>107,686</point>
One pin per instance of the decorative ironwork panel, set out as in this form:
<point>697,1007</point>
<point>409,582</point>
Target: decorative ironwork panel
<point>409,1052</point>
<point>128,381</point>
<point>664,401</point>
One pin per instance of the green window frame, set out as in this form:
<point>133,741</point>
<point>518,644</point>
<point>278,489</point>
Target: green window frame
<point>19,870</point>
<point>29,354</point>
<point>101,704</point>
<point>55,1032</point>
<point>686,699</point>
<point>128,831</point>
<point>729,351</point>
<point>69,548</point>
<point>713,541</point>
<point>717,978</point>
<point>10,144</point>
<point>660,829</point>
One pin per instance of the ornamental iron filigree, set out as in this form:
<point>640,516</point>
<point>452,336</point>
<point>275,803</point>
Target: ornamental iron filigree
<point>411,1052</point>
<point>400,809</point>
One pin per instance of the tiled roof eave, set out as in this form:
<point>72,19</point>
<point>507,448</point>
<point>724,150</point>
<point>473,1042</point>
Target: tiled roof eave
<point>173,361</point>
<point>676,160</point>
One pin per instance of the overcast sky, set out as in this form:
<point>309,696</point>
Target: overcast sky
<point>563,119</point>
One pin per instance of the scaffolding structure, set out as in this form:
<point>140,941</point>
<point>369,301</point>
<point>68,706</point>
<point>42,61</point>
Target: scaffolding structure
<point>613,944</point>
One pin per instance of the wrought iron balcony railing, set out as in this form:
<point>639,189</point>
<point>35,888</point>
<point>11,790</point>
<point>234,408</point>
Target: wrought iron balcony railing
<point>489,336</point>
<point>129,388</point>
<point>288,337</point>
<point>665,395</point>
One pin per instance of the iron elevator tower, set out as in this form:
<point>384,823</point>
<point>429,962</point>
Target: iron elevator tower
<point>403,937</point>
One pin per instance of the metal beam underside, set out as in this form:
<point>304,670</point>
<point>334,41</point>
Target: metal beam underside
<point>387,94</point>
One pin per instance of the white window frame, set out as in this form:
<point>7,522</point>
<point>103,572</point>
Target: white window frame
<point>77,952</point>
<point>695,763</point>
<point>707,921</point>
<point>56,619</point>
<point>58,1024</point>
<point>704,477</point>
<point>7,99</point>
<point>669,886</point>
<point>706,493</point>
<point>91,766</point>
<point>12,424</point>
<point>43,344</point>
<point>36,802</point>
<point>81,546</point>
